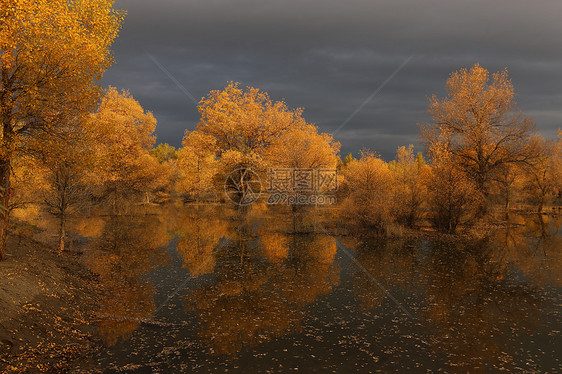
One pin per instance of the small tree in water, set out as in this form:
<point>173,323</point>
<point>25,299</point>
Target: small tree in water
<point>370,183</point>
<point>453,197</point>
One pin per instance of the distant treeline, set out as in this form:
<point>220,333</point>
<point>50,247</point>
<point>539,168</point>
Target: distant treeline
<point>70,145</point>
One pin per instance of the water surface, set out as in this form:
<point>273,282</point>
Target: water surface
<point>204,289</point>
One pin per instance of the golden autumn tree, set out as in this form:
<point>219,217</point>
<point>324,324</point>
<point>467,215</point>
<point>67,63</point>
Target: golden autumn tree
<point>347,160</point>
<point>167,156</point>
<point>52,53</point>
<point>243,124</point>
<point>244,129</point>
<point>151,176</point>
<point>197,164</point>
<point>410,174</point>
<point>556,162</point>
<point>125,132</point>
<point>28,181</point>
<point>507,181</point>
<point>164,152</point>
<point>541,175</point>
<point>66,162</point>
<point>453,197</point>
<point>483,128</point>
<point>303,147</point>
<point>369,183</point>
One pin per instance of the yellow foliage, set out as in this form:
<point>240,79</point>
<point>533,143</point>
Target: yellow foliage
<point>52,52</point>
<point>453,197</point>
<point>124,135</point>
<point>240,125</point>
<point>29,182</point>
<point>479,124</point>
<point>409,175</point>
<point>369,183</point>
<point>196,163</point>
<point>303,147</point>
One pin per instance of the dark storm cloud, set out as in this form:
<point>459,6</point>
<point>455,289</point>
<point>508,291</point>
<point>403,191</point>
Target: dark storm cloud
<point>329,56</point>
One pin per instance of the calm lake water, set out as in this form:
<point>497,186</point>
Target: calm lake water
<point>201,289</point>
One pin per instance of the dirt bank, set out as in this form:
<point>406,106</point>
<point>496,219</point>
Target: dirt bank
<point>47,303</point>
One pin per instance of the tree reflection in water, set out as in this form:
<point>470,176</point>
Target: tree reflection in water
<point>262,280</point>
<point>128,247</point>
<point>478,304</point>
<point>199,232</point>
<point>482,296</point>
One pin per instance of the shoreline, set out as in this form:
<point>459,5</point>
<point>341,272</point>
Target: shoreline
<point>49,301</point>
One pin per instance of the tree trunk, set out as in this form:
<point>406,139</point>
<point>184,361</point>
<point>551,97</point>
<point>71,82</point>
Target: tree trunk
<point>4,201</point>
<point>114,202</point>
<point>62,232</point>
<point>541,204</point>
<point>482,204</point>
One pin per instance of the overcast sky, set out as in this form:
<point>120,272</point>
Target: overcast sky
<point>330,56</point>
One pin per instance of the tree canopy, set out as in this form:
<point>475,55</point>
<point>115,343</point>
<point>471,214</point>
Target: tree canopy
<point>479,125</point>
